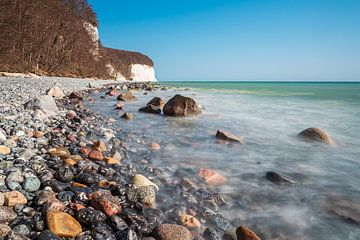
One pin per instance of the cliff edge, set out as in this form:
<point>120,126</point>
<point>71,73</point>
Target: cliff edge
<point>61,38</point>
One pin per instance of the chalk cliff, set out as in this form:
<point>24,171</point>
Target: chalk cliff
<point>61,38</point>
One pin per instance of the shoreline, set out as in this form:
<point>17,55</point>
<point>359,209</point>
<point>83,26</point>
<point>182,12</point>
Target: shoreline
<point>70,165</point>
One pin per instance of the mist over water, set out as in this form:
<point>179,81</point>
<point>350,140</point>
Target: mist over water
<point>268,116</point>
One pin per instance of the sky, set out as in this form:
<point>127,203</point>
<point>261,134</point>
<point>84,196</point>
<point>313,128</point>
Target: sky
<point>238,40</point>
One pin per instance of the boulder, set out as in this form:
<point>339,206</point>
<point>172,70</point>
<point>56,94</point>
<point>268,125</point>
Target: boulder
<point>222,135</point>
<point>150,109</point>
<point>180,106</point>
<point>55,92</point>
<point>127,116</point>
<point>316,134</point>
<point>211,177</point>
<point>171,232</point>
<point>44,103</point>
<point>245,233</point>
<point>156,102</point>
<point>63,225</point>
<point>126,96</point>
<point>279,178</point>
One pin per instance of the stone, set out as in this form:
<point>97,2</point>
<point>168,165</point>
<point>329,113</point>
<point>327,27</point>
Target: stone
<point>156,102</point>
<point>54,205</point>
<point>127,116</point>
<point>111,161</point>
<point>171,232</point>
<point>2,199</point>
<point>62,224</point>
<point>31,184</point>
<point>38,134</point>
<point>85,150</point>
<point>44,103</point>
<point>279,178</point>
<point>55,92</point>
<point>76,96</point>
<point>150,109</point>
<point>211,234</point>
<point>64,174</point>
<point>60,152</point>
<point>126,96</point>
<point>47,235</point>
<point>226,136</point>
<point>346,209</point>
<point>112,92</point>
<point>119,106</point>
<point>180,106</point>
<point>189,221</point>
<point>96,155</point>
<point>7,214</point>
<point>69,162</point>
<point>145,195</point>
<point>211,177</point>
<point>27,154</point>
<point>4,230</point>
<point>14,198</point>
<point>45,196</point>
<point>21,230</point>
<point>317,135</point>
<point>100,146</point>
<point>105,202</point>
<point>4,150</point>
<point>71,114</point>
<point>87,216</point>
<point>2,135</point>
<point>141,181</point>
<point>245,233</point>
<point>154,146</point>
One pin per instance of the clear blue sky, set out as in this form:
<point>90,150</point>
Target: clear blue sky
<point>238,40</point>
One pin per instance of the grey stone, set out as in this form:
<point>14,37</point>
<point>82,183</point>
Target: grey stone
<point>44,103</point>
<point>7,214</point>
<point>31,184</point>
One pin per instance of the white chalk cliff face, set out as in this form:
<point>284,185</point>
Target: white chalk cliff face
<point>117,75</point>
<point>141,72</point>
<point>94,35</point>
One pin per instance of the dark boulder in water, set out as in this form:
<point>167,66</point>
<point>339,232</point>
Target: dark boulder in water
<point>279,178</point>
<point>180,106</point>
<point>156,102</point>
<point>316,134</point>
<point>150,109</point>
<point>222,135</point>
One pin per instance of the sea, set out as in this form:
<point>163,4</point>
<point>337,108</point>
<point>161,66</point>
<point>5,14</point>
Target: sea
<point>324,202</point>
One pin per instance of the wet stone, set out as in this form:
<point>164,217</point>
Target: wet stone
<point>211,234</point>
<point>105,202</point>
<point>61,152</point>
<point>189,221</point>
<point>47,235</point>
<point>171,232</point>
<point>88,216</point>
<point>279,178</point>
<point>127,116</point>
<point>223,135</point>
<point>96,155</point>
<point>144,195</point>
<point>63,224</point>
<point>64,174</point>
<point>102,232</point>
<point>245,233</point>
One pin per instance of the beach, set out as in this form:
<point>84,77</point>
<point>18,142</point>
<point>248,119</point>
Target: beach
<point>144,175</point>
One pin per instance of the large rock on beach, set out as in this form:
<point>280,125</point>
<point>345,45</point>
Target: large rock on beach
<point>63,224</point>
<point>245,233</point>
<point>226,136</point>
<point>150,109</point>
<point>180,106</point>
<point>156,102</point>
<point>44,103</point>
<point>126,96</point>
<point>316,134</point>
<point>171,232</point>
<point>55,92</point>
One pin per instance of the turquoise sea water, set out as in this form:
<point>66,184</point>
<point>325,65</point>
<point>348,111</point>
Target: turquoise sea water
<point>268,116</point>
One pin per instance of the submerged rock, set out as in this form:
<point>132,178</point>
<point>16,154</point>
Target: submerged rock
<point>127,116</point>
<point>150,109</point>
<point>278,178</point>
<point>211,177</point>
<point>180,106</point>
<point>156,102</point>
<point>171,232</point>
<point>316,134</point>
<point>245,233</point>
<point>222,135</point>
